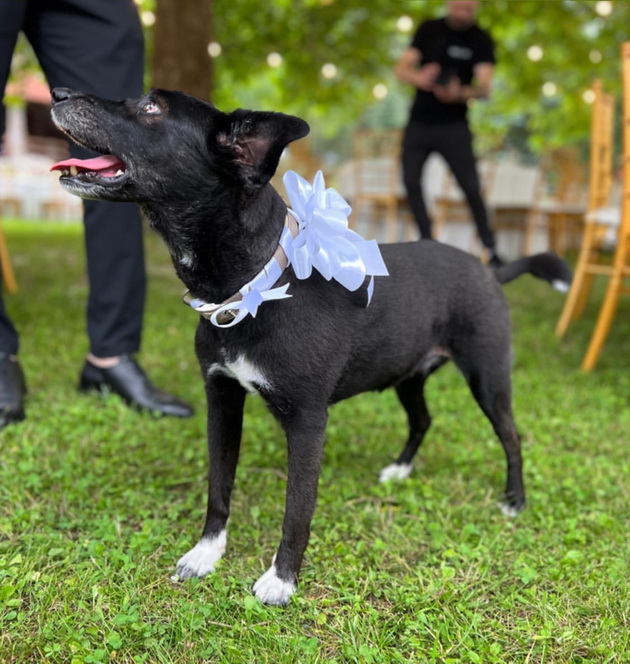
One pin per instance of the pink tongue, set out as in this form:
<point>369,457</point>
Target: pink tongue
<point>96,164</point>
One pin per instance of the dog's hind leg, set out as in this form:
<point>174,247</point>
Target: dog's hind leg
<point>411,395</point>
<point>225,422</point>
<point>490,384</point>
<point>305,429</point>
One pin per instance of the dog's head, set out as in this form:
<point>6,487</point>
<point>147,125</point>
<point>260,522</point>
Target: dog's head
<point>164,144</point>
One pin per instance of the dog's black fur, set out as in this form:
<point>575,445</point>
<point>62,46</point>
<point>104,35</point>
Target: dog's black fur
<point>202,177</point>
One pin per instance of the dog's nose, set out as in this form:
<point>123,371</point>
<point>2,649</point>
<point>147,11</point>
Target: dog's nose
<point>63,94</point>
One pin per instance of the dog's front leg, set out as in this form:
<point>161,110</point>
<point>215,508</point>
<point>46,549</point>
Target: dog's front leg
<point>225,423</point>
<point>305,431</point>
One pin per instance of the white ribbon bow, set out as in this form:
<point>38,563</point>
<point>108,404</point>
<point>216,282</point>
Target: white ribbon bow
<point>325,242</point>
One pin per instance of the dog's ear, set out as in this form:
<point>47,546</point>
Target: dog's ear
<point>254,142</point>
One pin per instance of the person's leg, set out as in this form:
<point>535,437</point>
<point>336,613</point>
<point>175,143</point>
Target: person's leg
<point>11,19</point>
<point>415,152</point>
<point>96,46</point>
<point>457,149</point>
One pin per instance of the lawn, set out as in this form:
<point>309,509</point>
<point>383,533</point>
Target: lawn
<point>97,503</point>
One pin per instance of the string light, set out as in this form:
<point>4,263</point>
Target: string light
<point>214,49</point>
<point>329,70</point>
<point>148,18</point>
<point>380,91</point>
<point>404,24</point>
<point>604,7</point>
<point>274,60</point>
<point>535,53</point>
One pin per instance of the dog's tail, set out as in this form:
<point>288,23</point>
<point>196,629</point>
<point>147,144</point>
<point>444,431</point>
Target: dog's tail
<point>545,266</point>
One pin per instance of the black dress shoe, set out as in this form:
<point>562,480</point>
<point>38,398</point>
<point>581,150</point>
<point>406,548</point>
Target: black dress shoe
<point>12,391</point>
<point>128,380</point>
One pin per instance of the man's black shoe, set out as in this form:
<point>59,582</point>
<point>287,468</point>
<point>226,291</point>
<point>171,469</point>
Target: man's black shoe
<point>128,380</point>
<point>12,391</point>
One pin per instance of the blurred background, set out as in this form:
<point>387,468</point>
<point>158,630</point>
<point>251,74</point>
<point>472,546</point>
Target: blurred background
<point>330,62</point>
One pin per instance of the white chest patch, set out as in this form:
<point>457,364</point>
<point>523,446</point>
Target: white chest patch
<point>247,374</point>
<point>186,260</point>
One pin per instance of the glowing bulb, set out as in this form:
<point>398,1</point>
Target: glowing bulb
<point>214,49</point>
<point>535,53</point>
<point>147,18</point>
<point>380,91</point>
<point>329,70</point>
<point>604,7</point>
<point>404,24</point>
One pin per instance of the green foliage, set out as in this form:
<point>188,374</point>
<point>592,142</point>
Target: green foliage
<point>362,40</point>
<point>98,502</point>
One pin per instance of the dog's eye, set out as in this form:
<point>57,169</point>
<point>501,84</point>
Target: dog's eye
<point>151,108</point>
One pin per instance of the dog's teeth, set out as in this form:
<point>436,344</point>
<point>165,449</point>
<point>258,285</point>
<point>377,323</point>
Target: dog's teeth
<point>119,172</point>
<point>73,170</point>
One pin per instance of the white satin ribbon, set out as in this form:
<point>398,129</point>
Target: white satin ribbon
<point>325,242</point>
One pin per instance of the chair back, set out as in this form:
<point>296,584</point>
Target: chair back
<point>601,149</point>
<point>376,162</point>
<point>624,230</point>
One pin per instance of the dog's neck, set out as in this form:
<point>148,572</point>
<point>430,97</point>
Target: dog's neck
<point>217,252</point>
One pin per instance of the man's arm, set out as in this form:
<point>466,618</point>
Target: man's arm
<point>483,73</point>
<point>408,71</point>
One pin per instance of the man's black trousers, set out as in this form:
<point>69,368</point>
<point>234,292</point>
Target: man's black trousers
<point>95,46</point>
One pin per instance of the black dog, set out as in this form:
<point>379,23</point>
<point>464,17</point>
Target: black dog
<point>202,177</point>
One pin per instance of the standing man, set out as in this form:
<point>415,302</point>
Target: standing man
<point>450,61</point>
<point>95,46</point>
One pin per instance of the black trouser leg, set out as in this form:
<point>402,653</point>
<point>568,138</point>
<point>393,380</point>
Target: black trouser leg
<point>415,153</point>
<point>457,149</point>
<point>11,19</point>
<point>97,47</point>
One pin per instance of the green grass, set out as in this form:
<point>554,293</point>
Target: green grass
<point>98,502</point>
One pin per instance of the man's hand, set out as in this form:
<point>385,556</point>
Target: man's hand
<point>451,93</point>
<point>427,76</point>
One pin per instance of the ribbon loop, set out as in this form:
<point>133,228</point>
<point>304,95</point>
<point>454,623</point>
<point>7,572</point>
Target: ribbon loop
<point>325,242</point>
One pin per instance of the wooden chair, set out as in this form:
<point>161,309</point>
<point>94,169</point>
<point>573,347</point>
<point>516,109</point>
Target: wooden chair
<point>621,261</point>
<point>10,205</point>
<point>598,219</point>
<point>8,276</point>
<point>377,180</point>
<point>560,211</point>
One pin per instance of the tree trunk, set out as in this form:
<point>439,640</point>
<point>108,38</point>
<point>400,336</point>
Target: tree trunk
<point>181,36</point>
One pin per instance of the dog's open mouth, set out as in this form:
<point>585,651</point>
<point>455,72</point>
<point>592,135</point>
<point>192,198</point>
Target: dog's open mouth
<point>106,169</point>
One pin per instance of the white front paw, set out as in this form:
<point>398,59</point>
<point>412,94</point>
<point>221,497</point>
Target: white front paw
<point>202,558</point>
<point>395,471</point>
<point>270,589</point>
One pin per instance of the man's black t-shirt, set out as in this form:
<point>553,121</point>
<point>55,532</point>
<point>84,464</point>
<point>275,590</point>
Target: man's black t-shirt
<point>457,52</point>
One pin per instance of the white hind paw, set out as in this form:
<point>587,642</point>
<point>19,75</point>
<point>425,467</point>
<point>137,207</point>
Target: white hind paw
<point>395,471</point>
